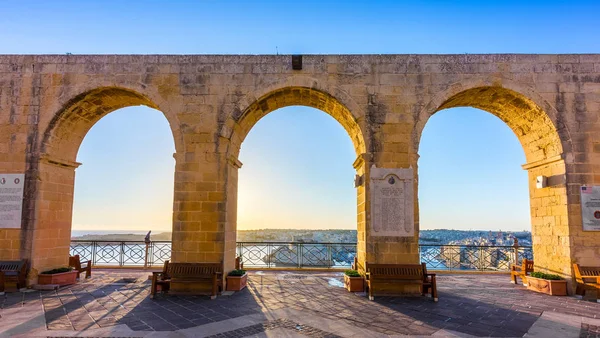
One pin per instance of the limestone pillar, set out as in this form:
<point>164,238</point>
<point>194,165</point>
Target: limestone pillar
<point>363,252</point>
<point>198,217</point>
<point>47,244</point>
<point>549,217</point>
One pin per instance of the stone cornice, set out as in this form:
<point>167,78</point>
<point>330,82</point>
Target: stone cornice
<point>234,162</point>
<point>546,161</point>
<point>59,162</point>
<point>361,160</point>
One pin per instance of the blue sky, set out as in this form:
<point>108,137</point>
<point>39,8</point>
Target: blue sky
<point>470,175</point>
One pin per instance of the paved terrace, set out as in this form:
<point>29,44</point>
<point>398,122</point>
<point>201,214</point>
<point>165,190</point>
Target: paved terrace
<point>115,303</point>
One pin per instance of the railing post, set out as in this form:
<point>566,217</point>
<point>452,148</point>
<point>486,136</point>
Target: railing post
<point>269,254</point>
<point>146,255</point>
<point>481,258</point>
<point>93,253</point>
<point>516,249</point>
<point>300,256</point>
<point>122,255</point>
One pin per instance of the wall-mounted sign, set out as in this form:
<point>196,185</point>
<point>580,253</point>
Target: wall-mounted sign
<point>392,202</point>
<point>590,208</point>
<point>11,200</point>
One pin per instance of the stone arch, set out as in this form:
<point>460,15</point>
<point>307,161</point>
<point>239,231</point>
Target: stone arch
<point>301,91</point>
<point>534,121</point>
<point>51,177</point>
<point>296,91</point>
<point>68,127</point>
<point>546,143</point>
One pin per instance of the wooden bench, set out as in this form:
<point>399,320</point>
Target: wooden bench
<point>75,262</point>
<point>13,271</point>
<point>587,278</point>
<point>521,271</point>
<point>188,273</point>
<point>379,275</point>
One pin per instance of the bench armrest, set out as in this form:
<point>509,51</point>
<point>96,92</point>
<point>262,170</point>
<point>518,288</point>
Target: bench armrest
<point>430,274</point>
<point>587,279</point>
<point>158,274</point>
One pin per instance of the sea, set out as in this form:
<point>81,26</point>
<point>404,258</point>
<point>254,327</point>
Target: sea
<point>79,233</point>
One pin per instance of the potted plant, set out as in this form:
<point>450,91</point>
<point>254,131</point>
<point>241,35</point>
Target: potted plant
<point>60,276</point>
<point>553,285</point>
<point>353,281</point>
<point>236,280</point>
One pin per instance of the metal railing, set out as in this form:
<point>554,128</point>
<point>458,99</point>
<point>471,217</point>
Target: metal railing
<point>122,253</point>
<point>273,255</point>
<point>472,257</point>
<point>296,254</point>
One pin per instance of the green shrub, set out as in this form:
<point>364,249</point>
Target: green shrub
<point>59,270</point>
<point>352,273</point>
<point>236,272</point>
<point>547,276</point>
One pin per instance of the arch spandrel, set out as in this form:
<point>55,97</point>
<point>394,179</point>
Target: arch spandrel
<point>68,127</point>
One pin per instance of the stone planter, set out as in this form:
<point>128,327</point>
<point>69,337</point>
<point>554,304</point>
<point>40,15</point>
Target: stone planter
<point>236,283</point>
<point>354,284</point>
<point>550,287</point>
<point>61,279</point>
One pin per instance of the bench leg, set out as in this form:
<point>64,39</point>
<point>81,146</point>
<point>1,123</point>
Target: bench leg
<point>371,293</point>
<point>590,294</point>
<point>1,283</point>
<point>153,287</point>
<point>213,294</point>
<point>513,278</point>
<point>434,294</point>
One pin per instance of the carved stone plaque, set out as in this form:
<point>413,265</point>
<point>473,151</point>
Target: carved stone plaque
<point>11,200</point>
<point>392,203</point>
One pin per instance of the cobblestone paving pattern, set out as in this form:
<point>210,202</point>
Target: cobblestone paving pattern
<point>589,331</point>
<point>305,330</point>
<point>480,305</point>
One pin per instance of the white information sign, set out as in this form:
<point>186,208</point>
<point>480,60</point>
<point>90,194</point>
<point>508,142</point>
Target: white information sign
<point>590,208</point>
<point>392,203</point>
<point>11,200</point>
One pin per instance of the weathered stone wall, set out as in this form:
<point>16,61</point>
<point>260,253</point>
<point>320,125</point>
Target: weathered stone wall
<point>49,102</point>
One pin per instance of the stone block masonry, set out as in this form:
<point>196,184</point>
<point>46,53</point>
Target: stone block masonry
<point>49,102</point>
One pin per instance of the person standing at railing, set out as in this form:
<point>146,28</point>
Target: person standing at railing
<point>147,241</point>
